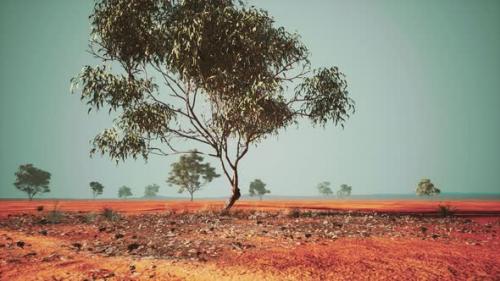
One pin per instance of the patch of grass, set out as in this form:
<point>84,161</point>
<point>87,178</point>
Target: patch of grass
<point>445,210</point>
<point>110,214</point>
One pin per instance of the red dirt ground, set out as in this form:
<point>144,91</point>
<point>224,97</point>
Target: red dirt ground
<point>464,255</point>
<point>468,207</point>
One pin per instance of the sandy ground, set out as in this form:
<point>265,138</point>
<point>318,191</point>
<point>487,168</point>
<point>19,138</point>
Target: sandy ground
<point>362,246</point>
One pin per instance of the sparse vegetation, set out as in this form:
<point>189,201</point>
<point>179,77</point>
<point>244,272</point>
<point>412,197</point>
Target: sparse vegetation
<point>445,210</point>
<point>54,216</point>
<point>32,180</point>
<point>151,190</point>
<point>426,188</point>
<point>324,189</point>
<point>344,191</point>
<point>293,213</point>
<point>258,188</point>
<point>190,173</point>
<point>124,192</point>
<point>110,214</point>
<point>97,188</point>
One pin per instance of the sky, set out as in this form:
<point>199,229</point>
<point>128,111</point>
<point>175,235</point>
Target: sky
<point>425,76</point>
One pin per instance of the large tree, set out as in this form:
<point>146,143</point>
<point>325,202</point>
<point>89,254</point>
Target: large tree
<point>32,180</point>
<point>190,173</point>
<point>258,187</point>
<point>215,73</point>
<point>97,188</point>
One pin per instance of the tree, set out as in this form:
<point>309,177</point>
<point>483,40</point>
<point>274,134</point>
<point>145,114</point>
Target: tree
<point>124,192</point>
<point>32,180</point>
<point>258,187</point>
<point>225,68</point>
<point>426,187</point>
<point>151,190</point>
<point>96,188</point>
<point>324,188</point>
<point>190,174</point>
<point>344,191</point>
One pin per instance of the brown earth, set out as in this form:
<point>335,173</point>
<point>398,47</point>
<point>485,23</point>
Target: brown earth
<point>269,240</point>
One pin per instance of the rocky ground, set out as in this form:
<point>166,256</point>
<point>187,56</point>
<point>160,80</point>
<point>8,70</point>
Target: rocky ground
<point>206,237</point>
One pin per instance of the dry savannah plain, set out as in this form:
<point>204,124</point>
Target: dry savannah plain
<point>266,240</point>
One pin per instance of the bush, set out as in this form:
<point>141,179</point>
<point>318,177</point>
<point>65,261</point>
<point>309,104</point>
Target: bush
<point>293,213</point>
<point>54,216</point>
<point>445,210</point>
<point>39,208</point>
<point>89,217</point>
<point>110,214</point>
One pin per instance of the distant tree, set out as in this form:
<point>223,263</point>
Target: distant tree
<point>96,188</point>
<point>190,174</point>
<point>32,180</point>
<point>225,67</point>
<point>151,190</point>
<point>324,189</point>
<point>344,191</point>
<point>426,187</point>
<point>258,187</point>
<point>124,192</point>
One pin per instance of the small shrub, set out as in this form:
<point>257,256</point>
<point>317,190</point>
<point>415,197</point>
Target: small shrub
<point>110,214</point>
<point>293,213</point>
<point>445,210</point>
<point>39,208</point>
<point>89,217</point>
<point>54,216</point>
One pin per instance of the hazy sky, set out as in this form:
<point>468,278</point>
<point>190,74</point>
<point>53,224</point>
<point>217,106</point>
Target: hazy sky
<point>425,76</point>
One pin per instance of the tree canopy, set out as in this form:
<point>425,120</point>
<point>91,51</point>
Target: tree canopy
<point>344,191</point>
<point>216,73</point>
<point>151,190</point>
<point>190,173</point>
<point>426,187</point>
<point>32,180</point>
<point>124,192</point>
<point>324,188</point>
<point>97,188</point>
<point>258,187</point>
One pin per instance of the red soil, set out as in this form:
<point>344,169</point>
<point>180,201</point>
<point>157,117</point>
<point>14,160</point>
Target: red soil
<point>466,207</point>
<point>370,258</point>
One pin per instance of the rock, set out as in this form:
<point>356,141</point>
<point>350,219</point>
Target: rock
<point>133,246</point>
<point>308,235</point>
<point>20,244</point>
<point>119,235</point>
<point>77,246</point>
<point>30,254</point>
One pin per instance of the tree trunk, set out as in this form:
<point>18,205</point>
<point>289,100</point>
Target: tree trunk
<point>235,190</point>
<point>235,196</point>
<point>191,194</point>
